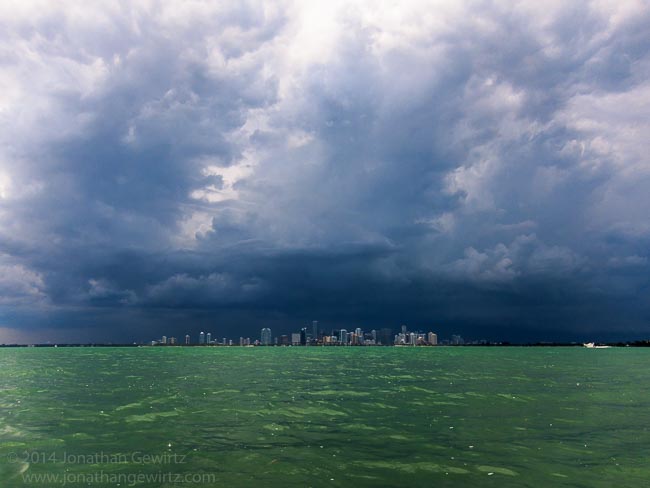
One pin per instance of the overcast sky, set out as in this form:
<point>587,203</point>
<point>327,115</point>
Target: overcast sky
<point>480,168</point>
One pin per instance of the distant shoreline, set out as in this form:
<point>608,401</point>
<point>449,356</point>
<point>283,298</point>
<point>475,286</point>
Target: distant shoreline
<point>177,346</point>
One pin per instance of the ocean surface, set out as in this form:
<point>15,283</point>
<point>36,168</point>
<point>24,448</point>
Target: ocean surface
<point>314,416</point>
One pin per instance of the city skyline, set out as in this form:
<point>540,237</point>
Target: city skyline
<point>337,337</point>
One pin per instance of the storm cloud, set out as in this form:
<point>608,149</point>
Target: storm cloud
<point>466,167</point>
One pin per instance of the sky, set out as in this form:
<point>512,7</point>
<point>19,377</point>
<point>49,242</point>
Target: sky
<point>474,167</point>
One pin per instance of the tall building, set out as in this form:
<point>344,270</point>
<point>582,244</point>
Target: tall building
<point>187,339</point>
<point>314,330</point>
<point>385,336</point>
<point>163,340</point>
<point>295,338</point>
<point>432,339</point>
<point>209,338</point>
<point>358,336</point>
<point>404,329</point>
<point>303,336</point>
<point>202,338</point>
<point>343,336</point>
<point>265,338</point>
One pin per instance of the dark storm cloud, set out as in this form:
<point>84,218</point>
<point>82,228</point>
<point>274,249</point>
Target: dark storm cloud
<point>479,168</point>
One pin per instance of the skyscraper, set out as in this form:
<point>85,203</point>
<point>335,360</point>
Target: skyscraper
<point>303,336</point>
<point>314,330</point>
<point>358,336</point>
<point>202,338</point>
<point>343,336</point>
<point>209,338</point>
<point>265,338</point>
<point>187,340</point>
<point>432,339</point>
<point>386,336</point>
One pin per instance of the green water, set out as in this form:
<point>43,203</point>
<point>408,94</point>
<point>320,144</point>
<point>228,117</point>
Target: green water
<point>325,416</point>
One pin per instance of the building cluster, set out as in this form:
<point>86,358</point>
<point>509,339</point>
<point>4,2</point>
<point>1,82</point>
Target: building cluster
<point>406,338</point>
<point>314,336</point>
<point>204,340</point>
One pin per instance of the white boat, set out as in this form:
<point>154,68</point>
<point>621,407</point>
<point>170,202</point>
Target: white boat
<point>591,345</point>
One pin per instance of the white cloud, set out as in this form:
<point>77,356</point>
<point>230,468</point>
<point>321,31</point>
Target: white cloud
<point>633,261</point>
<point>19,285</point>
<point>525,256</point>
